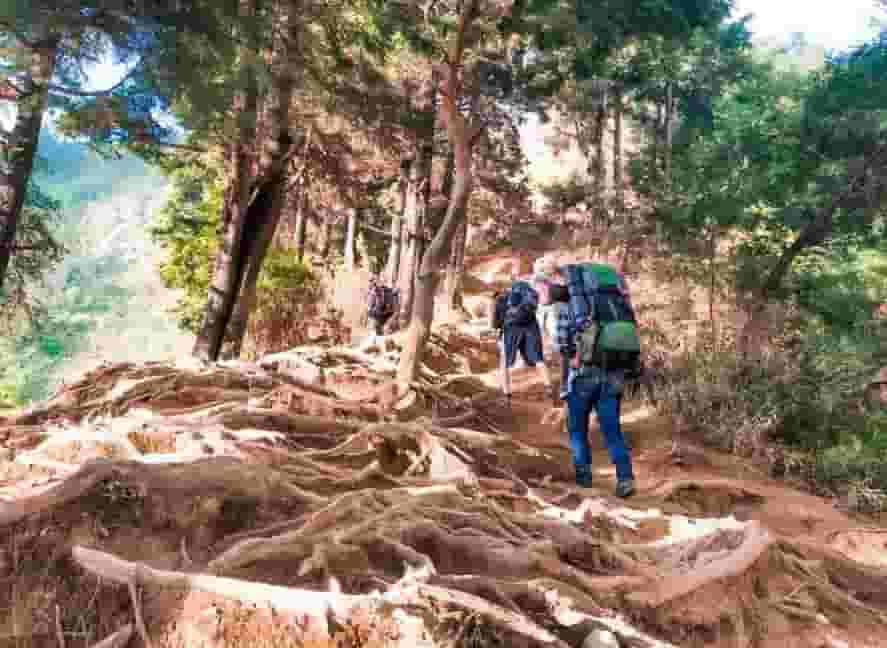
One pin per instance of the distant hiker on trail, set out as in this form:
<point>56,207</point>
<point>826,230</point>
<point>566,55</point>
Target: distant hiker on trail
<point>542,278</point>
<point>514,315</point>
<point>598,332</point>
<point>554,297</point>
<point>382,303</point>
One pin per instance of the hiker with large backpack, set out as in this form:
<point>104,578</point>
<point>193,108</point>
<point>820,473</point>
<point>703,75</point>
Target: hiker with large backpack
<point>598,333</point>
<point>382,303</point>
<point>514,316</point>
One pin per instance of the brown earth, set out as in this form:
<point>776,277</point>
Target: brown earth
<point>309,498</point>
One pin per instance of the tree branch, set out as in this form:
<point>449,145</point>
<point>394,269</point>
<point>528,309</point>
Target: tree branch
<point>96,93</point>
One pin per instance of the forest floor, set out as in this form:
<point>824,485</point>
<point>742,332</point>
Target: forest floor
<point>304,501</point>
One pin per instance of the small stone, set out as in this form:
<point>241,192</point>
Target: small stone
<point>600,639</point>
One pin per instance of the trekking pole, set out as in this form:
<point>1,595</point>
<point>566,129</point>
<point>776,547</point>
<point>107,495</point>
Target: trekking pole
<point>505,375</point>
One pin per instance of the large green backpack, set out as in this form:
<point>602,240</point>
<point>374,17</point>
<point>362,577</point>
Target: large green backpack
<point>607,332</point>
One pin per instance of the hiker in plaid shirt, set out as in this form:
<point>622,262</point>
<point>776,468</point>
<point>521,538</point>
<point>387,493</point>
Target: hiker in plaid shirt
<point>590,388</point>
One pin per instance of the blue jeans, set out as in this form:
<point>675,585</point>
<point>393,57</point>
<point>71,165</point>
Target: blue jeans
<point>589,394</point>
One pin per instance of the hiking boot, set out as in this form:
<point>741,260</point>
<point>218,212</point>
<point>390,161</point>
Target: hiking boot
<point>583,476</point>
<point>625,488</point>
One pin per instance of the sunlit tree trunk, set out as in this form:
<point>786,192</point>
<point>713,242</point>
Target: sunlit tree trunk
<point>598,170</point>
<point>19,150</point>
<point>301,221</point>
<point>392,267</point>
<point>418,194</point>
<point>348,252</point>
<point>462,137</point>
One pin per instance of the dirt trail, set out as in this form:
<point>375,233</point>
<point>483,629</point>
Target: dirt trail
<point>305,497</point>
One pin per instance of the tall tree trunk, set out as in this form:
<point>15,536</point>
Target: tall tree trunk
<point>264,215</point>
<point>435,259</point>
<point>598,170</point>
<point>349,240</point>
<point>621,215</point>
<point>392,267</point>
<point>418,195</point>
<point>229,260</point>
<point>19,151</point>
<point>453,284</point>
<point>301,221</point>
<point>669,131</point>
<point>462,136</point>
<point>326,233</point>
<point>261,227</point>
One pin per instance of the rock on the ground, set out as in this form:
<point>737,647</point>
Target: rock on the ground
<point>601,639</point>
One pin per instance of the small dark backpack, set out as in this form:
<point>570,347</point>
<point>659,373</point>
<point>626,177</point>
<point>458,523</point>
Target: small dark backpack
<point>499,309</point>
<point>522,304</point>
<point>383,302</point>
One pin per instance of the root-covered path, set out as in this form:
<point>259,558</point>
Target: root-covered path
<point>306,501</point>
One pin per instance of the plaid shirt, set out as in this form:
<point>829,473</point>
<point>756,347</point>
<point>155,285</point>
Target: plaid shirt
<point>565,342</point>
<point>565,330</point>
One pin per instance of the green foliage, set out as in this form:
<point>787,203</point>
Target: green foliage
<point>187,229</point>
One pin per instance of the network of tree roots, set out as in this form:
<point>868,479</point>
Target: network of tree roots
<point>239,505</point>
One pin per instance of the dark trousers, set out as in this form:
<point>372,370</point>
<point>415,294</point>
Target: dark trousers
<point>586,396</point>
<point>379,324</point>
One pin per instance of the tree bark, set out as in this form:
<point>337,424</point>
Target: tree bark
<point>462,136</point>
<point>301,221</point>
<point>621,215</point>
<point>418,195</point>
<point>261,197</point>
<point>325,235</point>
<point>392,267</point>
<point>256,245</point>
<point>598,170</point>
<point>349,240</point>
<point>20,149</point>
<point>229,259</point>
<point>669,133</point>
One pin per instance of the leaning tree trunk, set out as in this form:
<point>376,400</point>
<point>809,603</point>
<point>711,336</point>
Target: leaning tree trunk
<point>752,337</point>
<point>261,193</point>
<point>264,215</point>
<point>21,146</point>
<point>462,137</point>
<point>228,268</point>
<point>435,258</point>
<point>261,229</point>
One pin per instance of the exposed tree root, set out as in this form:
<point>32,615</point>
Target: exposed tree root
<point>454,525</point>
<point>117,640</point>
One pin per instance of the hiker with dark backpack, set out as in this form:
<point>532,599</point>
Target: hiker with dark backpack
<point>598,333</point>
<point>382,303</point>
<point>515,318</point>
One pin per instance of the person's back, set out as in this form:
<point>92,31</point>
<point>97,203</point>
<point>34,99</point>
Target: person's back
<point>382,303</point>
<point>520,331</point>
<point>594,302</point>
